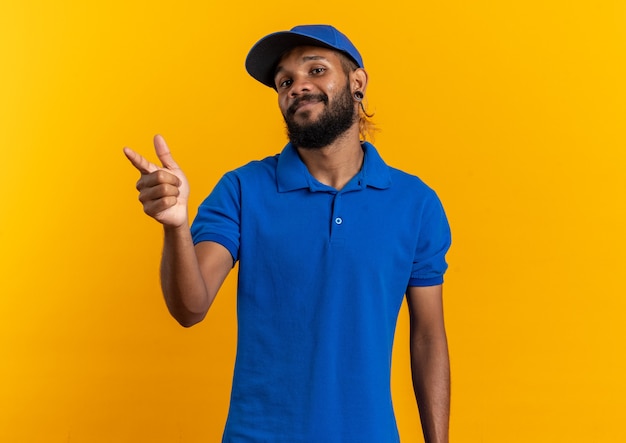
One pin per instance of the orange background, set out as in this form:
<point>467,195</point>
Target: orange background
<point>513,111</point>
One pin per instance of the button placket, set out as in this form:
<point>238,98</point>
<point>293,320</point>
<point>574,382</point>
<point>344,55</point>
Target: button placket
<point>336,220</point>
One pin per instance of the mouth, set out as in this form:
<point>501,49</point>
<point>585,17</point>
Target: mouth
<point>305,102</point>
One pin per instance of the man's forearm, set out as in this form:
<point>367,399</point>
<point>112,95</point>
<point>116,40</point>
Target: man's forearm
<point>183,287</point>
<point>430,366</point>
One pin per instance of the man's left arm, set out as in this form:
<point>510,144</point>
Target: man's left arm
<point>430,363</point>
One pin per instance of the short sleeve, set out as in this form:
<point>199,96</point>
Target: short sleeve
<point>218,217</point>
<point>429,262</point>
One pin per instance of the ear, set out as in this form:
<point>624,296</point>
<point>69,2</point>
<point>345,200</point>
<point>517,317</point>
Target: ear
<point>358,80</point>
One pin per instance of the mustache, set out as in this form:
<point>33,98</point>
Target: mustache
<point>307,97</point>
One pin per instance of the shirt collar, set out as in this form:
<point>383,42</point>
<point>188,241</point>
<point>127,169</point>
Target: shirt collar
<point>292,173</point>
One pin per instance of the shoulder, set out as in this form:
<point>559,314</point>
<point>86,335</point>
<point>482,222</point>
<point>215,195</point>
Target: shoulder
<point>256,167</point>
<point>382,175</point>
<point>255,175</point>
<point>406,178</point>
<point>411,186</point>
<point>254,172</point>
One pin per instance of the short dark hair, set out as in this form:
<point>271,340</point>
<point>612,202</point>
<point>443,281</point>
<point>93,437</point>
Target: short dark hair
<point>347,64</point>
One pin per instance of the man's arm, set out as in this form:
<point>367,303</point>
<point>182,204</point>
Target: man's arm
<point>190,276</point>
<point>430,363</point>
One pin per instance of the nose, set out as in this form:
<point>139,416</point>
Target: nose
<point>299,86</point>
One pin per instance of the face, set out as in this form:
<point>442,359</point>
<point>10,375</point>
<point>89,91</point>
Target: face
<point>314,96</point>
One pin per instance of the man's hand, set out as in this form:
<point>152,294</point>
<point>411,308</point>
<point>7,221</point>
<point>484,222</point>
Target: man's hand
<point>163,191</point>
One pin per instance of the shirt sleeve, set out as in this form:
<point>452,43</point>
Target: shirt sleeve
<point>218,217</point>
<point>429,262</point>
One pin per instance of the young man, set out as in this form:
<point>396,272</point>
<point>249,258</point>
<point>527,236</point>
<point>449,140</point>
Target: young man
<point>329,241</point>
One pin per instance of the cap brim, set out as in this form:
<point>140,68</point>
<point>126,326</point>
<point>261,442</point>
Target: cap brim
<point>266,53</point>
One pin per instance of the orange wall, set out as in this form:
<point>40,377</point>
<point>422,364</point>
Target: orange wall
<point>513,111</point>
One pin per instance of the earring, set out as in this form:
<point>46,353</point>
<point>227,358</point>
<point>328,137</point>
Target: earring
<point>358,96</point>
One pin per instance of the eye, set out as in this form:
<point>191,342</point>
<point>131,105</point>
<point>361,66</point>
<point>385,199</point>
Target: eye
<point>285,83</point>
<point>317,71</point>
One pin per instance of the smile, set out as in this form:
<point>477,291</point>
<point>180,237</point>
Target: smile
<point>305,102</point>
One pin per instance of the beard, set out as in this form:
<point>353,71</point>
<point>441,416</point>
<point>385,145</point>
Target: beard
<point>336,118</point>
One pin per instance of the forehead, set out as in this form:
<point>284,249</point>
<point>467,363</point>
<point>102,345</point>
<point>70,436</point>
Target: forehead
<point>303,54</point>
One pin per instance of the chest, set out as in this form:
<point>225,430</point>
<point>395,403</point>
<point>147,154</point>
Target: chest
<point>352,230</point>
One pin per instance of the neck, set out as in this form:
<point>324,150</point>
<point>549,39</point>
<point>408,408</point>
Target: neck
<point>335,165</point>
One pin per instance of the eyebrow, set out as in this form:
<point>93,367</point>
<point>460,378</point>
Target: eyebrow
<point>306,58</point>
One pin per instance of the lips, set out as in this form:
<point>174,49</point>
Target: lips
<point>304,101</point>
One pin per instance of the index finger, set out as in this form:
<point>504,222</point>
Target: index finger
<point>139,162</point>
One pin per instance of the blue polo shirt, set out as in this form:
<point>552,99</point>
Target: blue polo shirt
<point>322,275</point>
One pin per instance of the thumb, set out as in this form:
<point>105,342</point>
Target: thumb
<point>164,154</point>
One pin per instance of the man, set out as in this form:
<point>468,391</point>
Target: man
<point>329,240</point>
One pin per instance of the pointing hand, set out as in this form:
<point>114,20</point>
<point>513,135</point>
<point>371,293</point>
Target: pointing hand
<point>163,191</point>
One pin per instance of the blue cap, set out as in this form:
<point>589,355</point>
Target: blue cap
<point>266,53</point>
